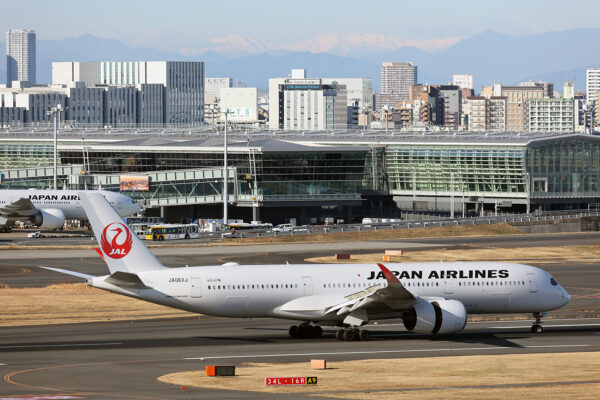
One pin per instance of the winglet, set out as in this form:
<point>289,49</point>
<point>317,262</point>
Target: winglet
<point>388,275</point>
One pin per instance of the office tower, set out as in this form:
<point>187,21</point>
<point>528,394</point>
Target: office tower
<point>592,83</point>
<point>396,81</point>
<point>20,56</point>
<point>182,97</point>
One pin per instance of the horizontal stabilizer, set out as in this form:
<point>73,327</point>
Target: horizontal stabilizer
<point>64,271</point>
<point>126,279</point>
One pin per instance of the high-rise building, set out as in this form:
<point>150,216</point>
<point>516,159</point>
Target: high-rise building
<point>516,100</point>
<point>451,105</point>
<point>464,81</point>
<point>485,114</point>
<point>20,56</point>
<point>182,81</point>
<point>592,83</point>
<point>551,115</point>
<point>396,81</point>
<point>301,103</point>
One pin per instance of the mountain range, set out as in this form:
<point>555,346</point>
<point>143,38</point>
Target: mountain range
<point>489,56</point>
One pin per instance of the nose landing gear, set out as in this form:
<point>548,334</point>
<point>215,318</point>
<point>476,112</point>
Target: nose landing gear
<point>350,334</point>
<point>305,331</point>
<point>537,325</point>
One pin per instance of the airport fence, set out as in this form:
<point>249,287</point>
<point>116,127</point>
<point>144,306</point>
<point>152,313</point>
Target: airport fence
<point>556,216</point>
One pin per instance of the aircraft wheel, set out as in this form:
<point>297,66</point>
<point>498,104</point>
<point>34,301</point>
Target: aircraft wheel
<point>339,334</point>
<point>294,331</point>
<point>349,335</point>
<point>364,335</point>
<point>537,329</point>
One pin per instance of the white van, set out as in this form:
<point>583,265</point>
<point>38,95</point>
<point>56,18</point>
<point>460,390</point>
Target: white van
<point>283,228</point>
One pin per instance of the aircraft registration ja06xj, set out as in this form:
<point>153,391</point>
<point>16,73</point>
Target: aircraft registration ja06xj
<point>430,298</point>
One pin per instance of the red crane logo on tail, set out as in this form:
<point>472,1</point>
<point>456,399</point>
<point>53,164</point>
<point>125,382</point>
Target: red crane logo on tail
<point>116,240</point>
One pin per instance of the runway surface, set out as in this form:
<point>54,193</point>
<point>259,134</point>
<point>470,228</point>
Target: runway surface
<point>120,360</point>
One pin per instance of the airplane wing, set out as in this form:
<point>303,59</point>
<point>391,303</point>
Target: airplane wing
<point>394,296</point>
<point>20,208</point>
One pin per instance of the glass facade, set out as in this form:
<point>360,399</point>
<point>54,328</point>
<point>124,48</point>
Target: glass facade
<point>474,170</point>
<point>303,174</point>
<point>571,169</point>
<point>557,168</point>
<point>310,174</point>
<point>25,154</point>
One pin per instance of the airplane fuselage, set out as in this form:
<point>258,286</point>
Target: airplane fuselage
<point>67,201</point>
<point>303,291</point>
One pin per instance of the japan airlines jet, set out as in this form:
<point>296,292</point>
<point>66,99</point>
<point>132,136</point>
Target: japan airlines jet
<point>430,298</point>
<point>49,209</point>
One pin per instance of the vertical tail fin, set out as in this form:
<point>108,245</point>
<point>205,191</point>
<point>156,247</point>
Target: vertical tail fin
<point>122,249</point>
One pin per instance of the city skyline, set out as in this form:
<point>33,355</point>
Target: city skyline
<point>191,28</point>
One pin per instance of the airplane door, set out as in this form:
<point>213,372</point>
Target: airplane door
<point>307,283</point>
<point>196,287</point>
<point>532,283</point>
<point>448,287</point>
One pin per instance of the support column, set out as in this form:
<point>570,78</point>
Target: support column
<point>255,213</point>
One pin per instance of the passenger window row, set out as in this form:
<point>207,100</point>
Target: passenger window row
<point>249,287</point>
<point>492,283</point>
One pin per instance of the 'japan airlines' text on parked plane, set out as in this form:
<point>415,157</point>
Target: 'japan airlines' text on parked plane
<point>429,297</point>
<point>49,209</point>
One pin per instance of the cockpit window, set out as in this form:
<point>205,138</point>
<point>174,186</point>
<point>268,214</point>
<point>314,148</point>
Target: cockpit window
<point>553,282</point>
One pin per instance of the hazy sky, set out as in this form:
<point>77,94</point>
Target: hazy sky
<point>181,25</point>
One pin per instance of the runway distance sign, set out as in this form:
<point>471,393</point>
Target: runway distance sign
<point>295,380</point>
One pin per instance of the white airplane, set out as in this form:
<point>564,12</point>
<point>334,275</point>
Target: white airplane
<point>429,297</point>
<point>48,209</point>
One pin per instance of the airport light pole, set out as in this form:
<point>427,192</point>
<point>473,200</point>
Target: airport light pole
<point>225,174</point>
<point>55,111</point>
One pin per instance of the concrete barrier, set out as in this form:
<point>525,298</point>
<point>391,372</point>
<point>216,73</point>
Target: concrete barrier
<point>220,370</point>
<point>393,253</point>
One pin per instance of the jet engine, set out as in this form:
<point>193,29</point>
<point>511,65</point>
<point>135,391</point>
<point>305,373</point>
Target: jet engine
<point>440,316</point>
<point>50,218</point>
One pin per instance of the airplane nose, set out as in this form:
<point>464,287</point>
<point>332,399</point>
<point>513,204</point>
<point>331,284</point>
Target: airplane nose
<point>565,297</point>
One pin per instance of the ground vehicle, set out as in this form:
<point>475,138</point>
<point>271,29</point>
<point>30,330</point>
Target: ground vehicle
<point>248,228</point>
<point>37,234</point>
<point>283,228</point>
<point>173,231</point>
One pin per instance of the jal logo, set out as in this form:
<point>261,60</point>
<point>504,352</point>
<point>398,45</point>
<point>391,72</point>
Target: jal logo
<point>116,240</point>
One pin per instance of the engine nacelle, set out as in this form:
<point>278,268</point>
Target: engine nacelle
<point>50,218</point>
<point>440,316</point>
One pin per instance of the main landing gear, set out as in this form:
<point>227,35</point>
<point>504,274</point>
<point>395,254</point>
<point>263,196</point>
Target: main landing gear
<point>350,334</point>
<point>305,331</point>
<point>537,325</point>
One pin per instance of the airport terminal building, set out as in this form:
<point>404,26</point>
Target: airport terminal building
<point>310,177</point>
